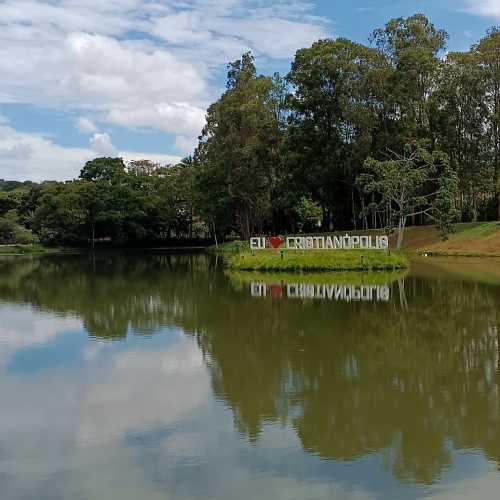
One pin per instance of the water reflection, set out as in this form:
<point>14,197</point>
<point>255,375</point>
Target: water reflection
<point>409,376</point>
<point>348,293</point>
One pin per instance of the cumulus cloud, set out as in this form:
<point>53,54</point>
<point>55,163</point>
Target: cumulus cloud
<point>185,144</point>
<point>86,125</point>
<point>174,118</point>
<point>490,8</point>
<point>16,151</point>
<point>101,144</point>
<point>36,157</point>
<point>79,55</point>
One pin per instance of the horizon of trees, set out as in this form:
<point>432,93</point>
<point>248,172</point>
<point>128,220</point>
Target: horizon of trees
<point>281,154</point>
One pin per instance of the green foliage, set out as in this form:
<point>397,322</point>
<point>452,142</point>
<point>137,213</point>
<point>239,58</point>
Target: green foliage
<point>308,213</point>
<point>116,204</point>
<point>488,56</point>
<point>230,247</point>
<point>12,232</point>
<point>10,200</point>
<point>238,152</point>
<point>8,186</point>
<point>338,89</point>
<point>103,169</point>
<point>419,183</point>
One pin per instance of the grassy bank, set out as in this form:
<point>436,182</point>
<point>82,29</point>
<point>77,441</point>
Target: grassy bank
<point>229,247</point>
<point>317,260</point>
<point>29,250</point>
<point>471,240</point>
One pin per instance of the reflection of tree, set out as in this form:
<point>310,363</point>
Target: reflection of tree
<point>413,377</point>
<point>409,377</point>
<point>114,294</point>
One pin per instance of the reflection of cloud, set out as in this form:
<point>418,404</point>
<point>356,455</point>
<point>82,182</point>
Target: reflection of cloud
<point>24,327</point>
<point>143,390</point>
<point>484,487</point>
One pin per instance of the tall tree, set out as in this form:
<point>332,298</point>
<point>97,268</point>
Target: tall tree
<point>462,117</point>
<point>338,90</point>
<point>413,46</point>
<point>488,53</point>
<point>238,146</point>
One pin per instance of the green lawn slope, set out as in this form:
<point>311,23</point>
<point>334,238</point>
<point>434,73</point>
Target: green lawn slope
<point>472,239</point>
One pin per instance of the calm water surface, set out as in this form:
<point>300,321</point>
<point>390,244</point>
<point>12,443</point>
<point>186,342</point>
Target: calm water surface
<point>161,377</point>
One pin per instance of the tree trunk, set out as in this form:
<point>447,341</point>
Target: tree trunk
<point>354,217</point>
<point>374,214</point>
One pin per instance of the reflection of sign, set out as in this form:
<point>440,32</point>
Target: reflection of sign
<point>347,242</point>
<point>348,293</point>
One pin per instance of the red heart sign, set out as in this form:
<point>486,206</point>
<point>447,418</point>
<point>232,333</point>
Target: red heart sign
<point>276,241</point>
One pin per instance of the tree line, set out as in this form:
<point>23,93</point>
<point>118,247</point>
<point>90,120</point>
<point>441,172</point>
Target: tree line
<point>355,136</point>
<point>109,202</point>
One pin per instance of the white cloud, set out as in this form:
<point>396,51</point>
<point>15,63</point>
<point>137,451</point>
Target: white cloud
<point>174,118</point>
<point>101,144</point>
<point>78,55</point>
<point>185,144</point>
<point>490,8</point>
<point>16,151</point>
<point>86,125</point>
<point>155,158</point>
<point>36,157</point>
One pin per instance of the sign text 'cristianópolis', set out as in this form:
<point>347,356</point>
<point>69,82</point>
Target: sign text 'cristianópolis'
<point>347,242</point>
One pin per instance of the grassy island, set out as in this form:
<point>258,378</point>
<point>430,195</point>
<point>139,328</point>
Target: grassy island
<point>317,260</point>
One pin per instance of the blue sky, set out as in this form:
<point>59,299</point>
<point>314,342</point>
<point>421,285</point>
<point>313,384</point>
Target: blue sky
<point>86,78</point>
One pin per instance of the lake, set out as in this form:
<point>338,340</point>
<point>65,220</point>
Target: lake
<point>161,376</point>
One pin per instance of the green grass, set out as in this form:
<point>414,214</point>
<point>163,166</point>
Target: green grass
<point>443,253</point>
<point>230,247</point>
<point>27,250</point>
<point>477,229</point>
<point>317,260</point>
